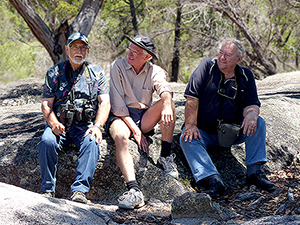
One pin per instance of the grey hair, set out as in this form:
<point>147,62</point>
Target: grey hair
<point>240,48</point>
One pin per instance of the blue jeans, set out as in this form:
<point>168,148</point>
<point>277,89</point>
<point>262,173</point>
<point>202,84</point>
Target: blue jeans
<point>88,154</point>
<point>201,163</point>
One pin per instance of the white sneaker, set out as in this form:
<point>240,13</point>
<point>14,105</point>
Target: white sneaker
<point>169,165</point>
<point>78,196</point>
<point>131,199</point>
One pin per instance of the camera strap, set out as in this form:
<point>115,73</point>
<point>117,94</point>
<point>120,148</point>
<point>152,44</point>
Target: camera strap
<point>238,100</point>
<point>70,75</point>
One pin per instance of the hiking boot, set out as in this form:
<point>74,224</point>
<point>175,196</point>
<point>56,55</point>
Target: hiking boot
<point>260,180</point>
<point>168,165</point>
<point>215,186</point>
<point>48,194</point>
<point>131,199</point>
<point>78,196</point>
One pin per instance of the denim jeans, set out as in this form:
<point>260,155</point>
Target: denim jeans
<point>88,154</point>
<point>201,163</point>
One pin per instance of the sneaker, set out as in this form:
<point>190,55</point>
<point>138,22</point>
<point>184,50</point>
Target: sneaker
<point>78,196</point>
<point>168,165</point>
<point>48,194</point>
<point>131,199</point>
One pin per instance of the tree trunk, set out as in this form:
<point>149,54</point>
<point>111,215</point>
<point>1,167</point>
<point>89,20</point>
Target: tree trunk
<point>230,13</point>
<point>54,41</point>
<point>176,54</point>
<point>133,18</point>
<point>297,59</point>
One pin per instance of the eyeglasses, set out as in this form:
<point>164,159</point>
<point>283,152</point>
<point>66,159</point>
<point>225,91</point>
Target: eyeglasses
<point>227,90</point>
<point>82,48</point>
<point>135,53</point>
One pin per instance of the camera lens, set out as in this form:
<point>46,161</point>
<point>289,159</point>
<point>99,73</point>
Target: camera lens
<point>90,113</point>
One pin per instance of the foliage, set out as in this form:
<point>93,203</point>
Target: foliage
<point>17,60</point>
<point>54,12</point>
<point>272,25</point>
<point>185,75</point>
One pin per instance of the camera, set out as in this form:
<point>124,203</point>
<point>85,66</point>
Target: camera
<point>89,111</point>
<point>86,113</point>
<point>66,114</point>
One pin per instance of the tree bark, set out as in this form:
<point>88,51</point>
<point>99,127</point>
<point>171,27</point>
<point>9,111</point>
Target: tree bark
<point>54,41</point>
<point>133,18</point>
<point>176,54</point>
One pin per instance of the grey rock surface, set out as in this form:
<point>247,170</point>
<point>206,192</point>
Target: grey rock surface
<point>22,125</point>
<point>191,205</point>
<point>272,220</point>
<point>19,206</point>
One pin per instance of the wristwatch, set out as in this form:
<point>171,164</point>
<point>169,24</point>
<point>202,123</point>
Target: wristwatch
<point>99,126</point>
<point>253,112</point>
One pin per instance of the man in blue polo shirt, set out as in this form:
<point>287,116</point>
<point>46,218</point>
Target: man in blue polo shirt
<point>222,90</point>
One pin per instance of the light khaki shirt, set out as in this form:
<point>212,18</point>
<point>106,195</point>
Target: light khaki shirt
<point>128,89</point>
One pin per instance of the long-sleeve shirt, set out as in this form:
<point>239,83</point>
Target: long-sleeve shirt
<point>128,89</point>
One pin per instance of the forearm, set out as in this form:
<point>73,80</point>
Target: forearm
<point>131,124</point>
<point>48,113</point>
<point>102,114</point>
<point>191,111</point>
<point>103,110</point>
<point>166,98</point>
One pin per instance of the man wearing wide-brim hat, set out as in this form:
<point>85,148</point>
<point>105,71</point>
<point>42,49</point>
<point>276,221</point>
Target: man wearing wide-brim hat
<point>133,80</point>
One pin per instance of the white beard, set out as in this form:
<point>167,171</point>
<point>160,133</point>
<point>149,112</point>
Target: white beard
<point>76,61</point>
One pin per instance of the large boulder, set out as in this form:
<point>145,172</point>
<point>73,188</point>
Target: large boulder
<point>22,125</point>
<point>19,206</point>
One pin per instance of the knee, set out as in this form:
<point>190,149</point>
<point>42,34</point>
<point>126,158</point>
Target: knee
<point>47,141</point>
<point>184,144</point>
<point>121,139</point>
<point>181,136</point>
<point>261,124</point>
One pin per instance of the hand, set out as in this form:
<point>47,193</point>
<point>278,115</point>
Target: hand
<point>191,132</point>
<point>58,129</point>
<point>249,123</point>
<point>141,140</point>
<point>167,116</point>
<point>94,131</point>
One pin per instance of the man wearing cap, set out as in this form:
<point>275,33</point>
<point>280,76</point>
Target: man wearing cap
<point>132,83</point>
<point>75,105</point>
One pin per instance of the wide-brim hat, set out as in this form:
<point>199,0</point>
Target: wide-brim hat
<point>145,43</point>
<point>78,36</point>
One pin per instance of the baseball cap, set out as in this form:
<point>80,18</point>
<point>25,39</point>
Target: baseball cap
<point>77,36</point>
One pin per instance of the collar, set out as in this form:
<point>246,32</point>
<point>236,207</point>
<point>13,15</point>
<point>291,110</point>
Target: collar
<point>145,69</point>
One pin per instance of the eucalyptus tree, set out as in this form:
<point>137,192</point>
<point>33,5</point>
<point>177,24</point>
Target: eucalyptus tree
<point>121,18</point>
<point>49,21</point>
<point>267,29</point>
<point>177,40</point>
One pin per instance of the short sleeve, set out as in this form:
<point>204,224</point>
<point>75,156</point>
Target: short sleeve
<point>198,80</point>
<point>51,83</point>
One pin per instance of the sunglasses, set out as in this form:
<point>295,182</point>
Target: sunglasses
<point>228,90</point>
